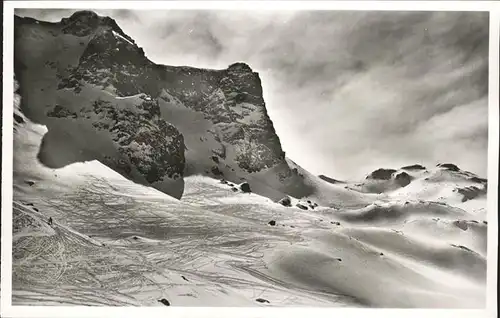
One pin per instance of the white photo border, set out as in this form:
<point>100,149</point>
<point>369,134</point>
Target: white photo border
<point>6,308</point>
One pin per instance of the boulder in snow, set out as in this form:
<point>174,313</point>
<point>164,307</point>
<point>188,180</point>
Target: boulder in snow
<point>300,206</point>
<point>286,201</point>
<point>262,300</point>
<point>164,301</point>
<point>245,187</point>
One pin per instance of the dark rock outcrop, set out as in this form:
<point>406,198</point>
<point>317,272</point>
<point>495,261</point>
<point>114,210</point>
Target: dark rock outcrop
<point>286,201</point>
<point>403,179</point>
<point>245,187</point>
<point>18,119</point>
<point>328,179</point>
<point>478,180</point>
<point>164,301</point>
<point>449,166</point>
<point>461,225</point>
<point>272,223</point>
<point>61,112</point>
<point>301,206</point>
<point>465,248</point>
<point>413,167</point>
<point>216,171</point>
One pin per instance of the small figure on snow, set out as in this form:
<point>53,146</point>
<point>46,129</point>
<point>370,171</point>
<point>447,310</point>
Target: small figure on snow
<point>50,220</point>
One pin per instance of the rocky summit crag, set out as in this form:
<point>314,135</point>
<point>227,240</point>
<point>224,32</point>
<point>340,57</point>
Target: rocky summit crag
<point>102,99</point>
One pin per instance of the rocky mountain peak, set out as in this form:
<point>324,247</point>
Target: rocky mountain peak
<point>84,16</point>
<point>86,22</point>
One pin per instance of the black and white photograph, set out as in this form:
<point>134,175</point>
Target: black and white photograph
<point>174,157</point>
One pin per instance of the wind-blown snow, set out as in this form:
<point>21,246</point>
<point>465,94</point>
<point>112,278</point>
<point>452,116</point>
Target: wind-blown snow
<point>121,37</point>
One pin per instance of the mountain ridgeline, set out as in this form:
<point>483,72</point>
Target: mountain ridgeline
<point>102,99</point>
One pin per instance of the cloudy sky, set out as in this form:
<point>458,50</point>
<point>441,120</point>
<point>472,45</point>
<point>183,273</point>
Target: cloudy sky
<point>348,92</point>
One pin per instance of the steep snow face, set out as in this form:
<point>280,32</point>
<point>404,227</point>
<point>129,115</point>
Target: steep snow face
<point>221,114</point>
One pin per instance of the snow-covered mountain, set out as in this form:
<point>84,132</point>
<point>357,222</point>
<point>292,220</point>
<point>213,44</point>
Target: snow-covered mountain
<point>102,98</point>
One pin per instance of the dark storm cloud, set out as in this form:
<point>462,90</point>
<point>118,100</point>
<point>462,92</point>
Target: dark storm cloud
<point>348,92</point>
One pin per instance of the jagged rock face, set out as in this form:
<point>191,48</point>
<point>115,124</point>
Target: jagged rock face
<point>214,113</point>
